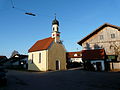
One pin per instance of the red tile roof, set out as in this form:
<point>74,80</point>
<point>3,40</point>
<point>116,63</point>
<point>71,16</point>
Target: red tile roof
<point>73,54</point>
<point>96,31</point>
<point>41,44</point>
<point>3,57</point>
<point>97,54</point>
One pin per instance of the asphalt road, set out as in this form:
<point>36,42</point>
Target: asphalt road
<point>62,80</point>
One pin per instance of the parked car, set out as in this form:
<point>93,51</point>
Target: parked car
<point>3,77</point>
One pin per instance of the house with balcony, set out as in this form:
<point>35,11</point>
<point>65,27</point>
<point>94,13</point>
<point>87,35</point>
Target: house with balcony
<point>74,59</point>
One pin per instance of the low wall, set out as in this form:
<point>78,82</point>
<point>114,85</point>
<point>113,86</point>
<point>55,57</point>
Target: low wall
<point>115,65</point>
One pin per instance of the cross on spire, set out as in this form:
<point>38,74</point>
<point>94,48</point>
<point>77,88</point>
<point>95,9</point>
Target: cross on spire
<point>55,16</point>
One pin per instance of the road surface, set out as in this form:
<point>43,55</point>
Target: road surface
<point>62,80</point>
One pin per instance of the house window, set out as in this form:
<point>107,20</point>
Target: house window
<point>39,57</point>
<point>112,35</point>
<point>101,37</point>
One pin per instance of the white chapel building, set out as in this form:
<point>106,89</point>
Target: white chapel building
<point>49,53</point>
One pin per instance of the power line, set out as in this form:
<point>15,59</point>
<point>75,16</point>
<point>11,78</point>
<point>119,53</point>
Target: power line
<point>27,13</point>
<point>12,4</point>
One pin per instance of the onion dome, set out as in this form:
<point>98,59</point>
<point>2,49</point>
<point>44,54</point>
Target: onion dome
<point>55,21</point>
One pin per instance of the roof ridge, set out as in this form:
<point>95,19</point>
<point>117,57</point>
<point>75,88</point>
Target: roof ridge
<point>97,30</point>
<point>42,44</point>
<point>44,38</point>
<point>111,25</point>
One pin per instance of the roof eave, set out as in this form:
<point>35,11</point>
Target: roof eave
<point>36,50</point>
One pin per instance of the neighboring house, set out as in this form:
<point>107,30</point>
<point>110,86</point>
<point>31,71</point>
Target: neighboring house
<point>2,59</point>
<point>94,59</point>
<point>105,37</point>
<point>18,61</point>
<point>74,57</point>
<point>49,53</point>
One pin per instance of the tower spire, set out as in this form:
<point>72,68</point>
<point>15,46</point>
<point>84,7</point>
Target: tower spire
<point>55,29</point>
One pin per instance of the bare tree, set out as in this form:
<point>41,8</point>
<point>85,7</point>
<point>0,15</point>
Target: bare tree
<point>14,53</point>
<point>96,46</point>
<point>116,49</point>
<point>88,46</point>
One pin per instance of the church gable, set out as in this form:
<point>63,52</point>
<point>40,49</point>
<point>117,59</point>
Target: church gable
<point>57,52</point>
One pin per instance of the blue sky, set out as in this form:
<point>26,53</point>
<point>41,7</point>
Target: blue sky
<point>77,19</point>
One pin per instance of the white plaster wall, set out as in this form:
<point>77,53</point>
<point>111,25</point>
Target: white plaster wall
<point>116,65</point>
<point>36,65</point>
<point>76,60</point>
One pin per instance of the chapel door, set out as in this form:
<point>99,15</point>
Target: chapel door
<point>57,65</point>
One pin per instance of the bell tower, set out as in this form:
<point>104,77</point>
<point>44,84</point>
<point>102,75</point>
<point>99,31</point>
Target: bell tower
<point>55,30</point>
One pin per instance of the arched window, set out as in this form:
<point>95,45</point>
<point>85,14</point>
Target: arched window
<point>39,57</point>
<point>32,59</point>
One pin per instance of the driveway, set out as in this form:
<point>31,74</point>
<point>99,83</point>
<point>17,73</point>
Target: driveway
<point>62,80</point>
